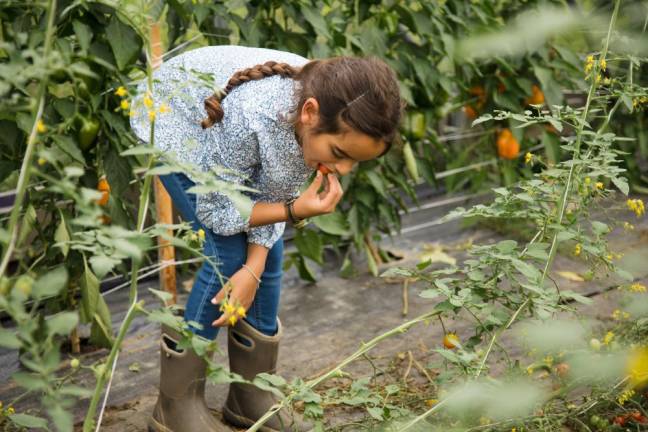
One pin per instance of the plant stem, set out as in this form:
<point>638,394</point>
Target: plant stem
<point>88,423</point>
<point>25,169</point>
<point>365,347</point>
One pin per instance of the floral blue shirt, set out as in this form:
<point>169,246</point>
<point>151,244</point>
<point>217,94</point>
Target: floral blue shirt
<point>254,138</point>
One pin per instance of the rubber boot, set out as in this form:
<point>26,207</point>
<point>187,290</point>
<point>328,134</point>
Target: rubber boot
<point>250,353</point>
<point>181,403</point>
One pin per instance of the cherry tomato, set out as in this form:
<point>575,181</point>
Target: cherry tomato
<point>450,340</point>
<point>323,169</point>
<point>104,188</point>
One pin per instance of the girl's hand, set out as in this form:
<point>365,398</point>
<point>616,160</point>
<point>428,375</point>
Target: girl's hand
<point>243,289</point>
<point>310,203</point>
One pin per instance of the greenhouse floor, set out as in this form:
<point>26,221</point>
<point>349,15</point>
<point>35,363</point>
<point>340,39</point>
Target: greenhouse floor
<point>327,321</point>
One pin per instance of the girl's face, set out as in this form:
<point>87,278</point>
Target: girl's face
<point>337,152</point>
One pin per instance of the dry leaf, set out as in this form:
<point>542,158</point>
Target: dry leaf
<point>572,276</point>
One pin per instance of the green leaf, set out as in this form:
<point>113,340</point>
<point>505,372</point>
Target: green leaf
<point>304,271</point>
<point>8,339</point>
<point>309,243</point>
<point>102,264</point>
<point>375,412</point>
<point>83,34</point>
<point>29,421</point>
<point>62,236</point>
<point>29,381</point>
<point>89,294</point>
<point>101,330</point>
<point>124,42</point>
<point>377,182</point>
<point>621,184</point>
<point>371,262</point>
<point>162,295</point>
<point>69,147</point>
<point>118,172</point>
<point>527,270</point>
<point>316,19</point>
<point>51,283</point>
<point>62,323</point>
<point>332,223</point>
<point>62,418</point>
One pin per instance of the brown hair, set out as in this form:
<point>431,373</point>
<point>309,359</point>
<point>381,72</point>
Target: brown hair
<point>361,93</point>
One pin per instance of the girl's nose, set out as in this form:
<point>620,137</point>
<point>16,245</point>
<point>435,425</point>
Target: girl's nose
<point>345,166</point>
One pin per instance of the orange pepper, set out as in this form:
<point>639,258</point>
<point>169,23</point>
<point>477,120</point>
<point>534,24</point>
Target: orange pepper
<point>507,146</point>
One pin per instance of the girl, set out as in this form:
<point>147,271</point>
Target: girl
<point>277,119</point>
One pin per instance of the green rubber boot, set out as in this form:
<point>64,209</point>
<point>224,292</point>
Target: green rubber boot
<point>251,353</point>
<point>181,403</point>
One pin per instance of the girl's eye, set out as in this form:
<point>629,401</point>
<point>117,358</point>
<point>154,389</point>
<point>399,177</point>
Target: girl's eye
<point>336,154</point>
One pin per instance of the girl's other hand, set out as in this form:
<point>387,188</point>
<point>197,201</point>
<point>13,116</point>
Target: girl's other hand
<point>314,203</point>
<point>243,289</point>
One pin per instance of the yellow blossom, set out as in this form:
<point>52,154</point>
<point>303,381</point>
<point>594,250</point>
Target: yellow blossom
<point>42,161</point>
<point>619,315</point>
<point>589,63</point>
<point>431,402</point>
<point>528,157</point>
<point>201,234</point>
<point>151,115</point>
<point>638,288</point>
<point>240,311</point>
<point>578,249</point>
<point>603,64</point>
<point>599,185</point>
<point>637,367</point>
<point>529,370</point>
<point>637,206</point>
<point>148,102</point>
<point>121,91</point>
<point>548,360</point>
<point>40,126</point>
<point>627,394</point>
<point>228,308</point>
<point>232,320</point>
<point>628,226</point>
<point>164,108</point>
<point>124,104</point>
<point>608,338</point>
<point>11,410</point>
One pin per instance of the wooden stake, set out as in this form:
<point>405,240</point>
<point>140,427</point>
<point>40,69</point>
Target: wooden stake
<point>162,199</point>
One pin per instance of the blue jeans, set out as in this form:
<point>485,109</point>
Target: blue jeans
<point>228,253</point>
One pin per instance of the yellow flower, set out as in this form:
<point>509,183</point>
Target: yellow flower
<point>627,394</point>
<point>228,308</point>
<point>603,64</point>
<point>578,249</point>
<point>431,402</point>
<point>589,63</point>
<point>528,157</point>
<point>42,161</point>
<point>148,102</point>
<point>599,185</point>
<point>121,91</point>
<point>637,367</point>
<point>548,360</point>
<point>638,288</point>
<point>529,370</point>
<point>628,226</point>
<point>608,338</point>
<point>164,108</point>
<point>618,315</point>
<point>11,410</point>
<point>124,104</point>
<point>151,115</point>
<point>40,126</point>
<point>637,206</point>
<point>232,320</point>
<point>240,311</point>
<point>201,234</point>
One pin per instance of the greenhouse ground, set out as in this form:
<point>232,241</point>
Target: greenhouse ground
<point>325,322</point>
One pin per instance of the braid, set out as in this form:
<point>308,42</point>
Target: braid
<point>270,68</point>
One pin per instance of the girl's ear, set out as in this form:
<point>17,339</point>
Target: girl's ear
<point>310,112</point>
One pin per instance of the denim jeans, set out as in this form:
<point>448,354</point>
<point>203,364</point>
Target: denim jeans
<point>229,254</point>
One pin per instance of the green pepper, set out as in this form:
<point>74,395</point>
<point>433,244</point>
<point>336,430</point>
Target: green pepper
<point>88,132</point>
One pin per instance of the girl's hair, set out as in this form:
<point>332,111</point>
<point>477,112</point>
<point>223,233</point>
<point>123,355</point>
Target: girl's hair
<point>361,93</point>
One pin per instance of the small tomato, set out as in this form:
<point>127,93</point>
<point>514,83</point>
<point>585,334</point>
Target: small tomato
<point>450,340</point>
<point>104,188</point>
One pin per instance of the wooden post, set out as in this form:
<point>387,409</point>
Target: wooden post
<point>163,204</point>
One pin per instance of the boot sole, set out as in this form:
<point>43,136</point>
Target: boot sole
<point>240,421</point>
